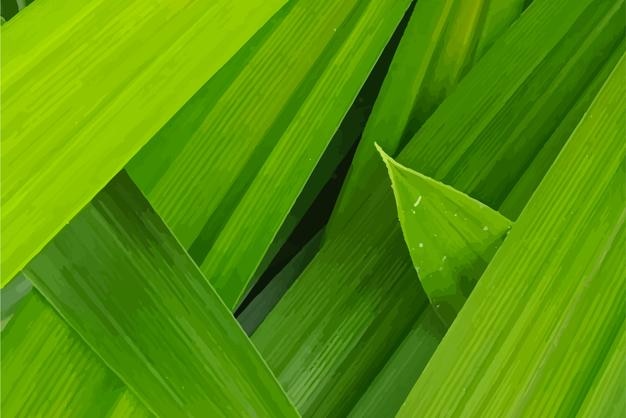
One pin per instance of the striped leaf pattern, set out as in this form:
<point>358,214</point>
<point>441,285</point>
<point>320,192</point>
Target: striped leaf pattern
<point>196,220</point>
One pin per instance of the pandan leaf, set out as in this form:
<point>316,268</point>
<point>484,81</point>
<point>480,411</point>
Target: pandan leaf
<point>405,365</point>
<point>153,165</point>
<point>85,85</point>
<point>178,168</point>
<point>544,315</point>
<point>441,42</point>
<point>123,282</point>
<point>412,361</point>
<point>606,394</point>
<point>389,389</point>
<point>451,237</point>
<point>528,182</point>
<point>508,104</point>
<point>244,239</point>
<point>41,357</point>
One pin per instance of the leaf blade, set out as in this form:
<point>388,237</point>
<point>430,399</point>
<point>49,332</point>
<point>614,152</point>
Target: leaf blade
<point>143,306</point>
<point>449,267</point>
<point>527,333</point>
<point>88,102</point>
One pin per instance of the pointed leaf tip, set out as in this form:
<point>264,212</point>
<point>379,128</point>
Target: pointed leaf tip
<point>451,236</point>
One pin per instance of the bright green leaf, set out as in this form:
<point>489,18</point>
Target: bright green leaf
<point>548,308</point>
<point>389,389</point>
<point>127,287</point>
<point>440,43</point>
<point>606,394</point>
<point>84,88</point>
<point>358,298</point>
<point>451,237</point>
<point>35,375</point>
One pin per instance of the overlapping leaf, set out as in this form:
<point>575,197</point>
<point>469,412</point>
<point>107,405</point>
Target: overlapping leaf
<point>440,44</point>
<point>451,237</point>
<point>550,303</point>
<point>355,331</point>
<point>348,38</point>
<point>83,89</point>
<point>121,280</point>
<point>346,318</point>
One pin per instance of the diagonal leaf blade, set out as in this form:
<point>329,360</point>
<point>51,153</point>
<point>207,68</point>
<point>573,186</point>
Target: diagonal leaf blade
<point>101,91</point>
<point>549,304</point>
<point>534,80</point>
<point>212,103</point>
<point>241,244</point>
<point>440,44</point>
<point>142,305</point>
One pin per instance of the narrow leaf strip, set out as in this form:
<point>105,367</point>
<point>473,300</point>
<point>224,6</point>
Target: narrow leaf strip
<point>375,293</point>
<point>55,355</point>
<point>220,102</point>
<point>222,134</point>
<point>439,45</point>
<point>606,394</point>
<point>117,275</point>
<point>528,182</point>
<point>389,389</point>
<point>101,90</point>
<point>249,231</point>
<point>550,303</point>
<point>451,237</point>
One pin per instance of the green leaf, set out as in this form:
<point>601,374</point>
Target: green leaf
<point>389,389</point>
<point>59,361</point>
<point>328,170</point>
<point>544,315</point>
<point>128,405</point>
<point>256,136</point>
<point>246,236</point>
<point>178,168</point>
<point>528,182</point>
<point>412,361</point>
<point>12,295</point>
<point>262,304</point>
<point>123,282</point>
<point>220,101</point>
<point>451,237</point>
<point>439,45</point>
<point>508,105</point>
<point>606,394</point>
<point>101,89</point>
